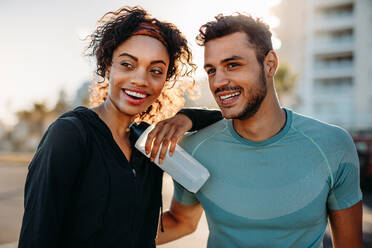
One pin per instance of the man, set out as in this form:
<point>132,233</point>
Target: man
<point>275,175</point>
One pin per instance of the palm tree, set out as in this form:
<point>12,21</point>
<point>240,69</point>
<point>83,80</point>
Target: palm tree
<point>285,80</point>
<point>285,83</point>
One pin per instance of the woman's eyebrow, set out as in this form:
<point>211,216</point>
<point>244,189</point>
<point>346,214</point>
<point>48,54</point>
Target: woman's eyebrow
<point>128,55</point>
<point>158,61</point>
<point>136,59</point>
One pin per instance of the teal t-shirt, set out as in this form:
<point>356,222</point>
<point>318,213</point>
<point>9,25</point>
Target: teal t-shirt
<point>273,193</point>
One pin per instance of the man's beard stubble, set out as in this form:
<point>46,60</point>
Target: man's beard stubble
<point>257,96</point>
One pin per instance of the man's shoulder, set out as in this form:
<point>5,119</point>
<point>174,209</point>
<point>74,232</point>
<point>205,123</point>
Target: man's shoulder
<point>191,140</point>
<point>321,132</point>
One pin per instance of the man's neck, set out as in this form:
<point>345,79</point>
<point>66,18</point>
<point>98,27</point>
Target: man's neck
<point>267,122</point>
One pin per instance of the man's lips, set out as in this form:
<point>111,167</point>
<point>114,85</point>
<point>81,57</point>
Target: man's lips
<point>135,96</point>
<point>228,98</point>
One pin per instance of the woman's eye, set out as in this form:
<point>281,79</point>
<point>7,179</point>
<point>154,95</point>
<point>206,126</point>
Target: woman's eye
<point>157,71</point>
<point>126,64</point>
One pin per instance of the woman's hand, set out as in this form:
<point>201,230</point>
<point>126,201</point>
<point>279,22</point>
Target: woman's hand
<point>165,133</point>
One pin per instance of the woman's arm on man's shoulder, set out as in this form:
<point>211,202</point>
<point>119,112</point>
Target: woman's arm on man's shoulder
<point>201,117</point>
<point>167,132</point>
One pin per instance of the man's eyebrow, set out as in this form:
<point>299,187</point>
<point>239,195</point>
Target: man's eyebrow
<point>207,65</point>
<point>234,57</point>
<point>128,55</point>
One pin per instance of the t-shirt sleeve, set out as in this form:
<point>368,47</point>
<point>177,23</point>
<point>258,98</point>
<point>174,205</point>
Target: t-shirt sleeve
<point>201,118</point>
<point>51,176</point>
<point>184,196</point>
<point>346,188</point>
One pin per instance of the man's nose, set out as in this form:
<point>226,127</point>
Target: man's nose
<point>220,80</point>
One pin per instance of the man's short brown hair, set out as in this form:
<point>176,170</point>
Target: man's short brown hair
<point>258,32</point>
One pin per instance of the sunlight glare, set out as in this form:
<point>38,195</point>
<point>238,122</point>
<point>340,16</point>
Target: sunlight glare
<point>260,9</point>
<point>207,10</point>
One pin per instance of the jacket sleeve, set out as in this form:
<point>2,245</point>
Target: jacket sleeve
<point>51,176</point>
<point>201,118</point>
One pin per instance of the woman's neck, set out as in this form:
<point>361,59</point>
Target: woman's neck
<point>117,122</point>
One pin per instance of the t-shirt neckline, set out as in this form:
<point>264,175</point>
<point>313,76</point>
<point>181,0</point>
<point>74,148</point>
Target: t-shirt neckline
<point>268,141</point>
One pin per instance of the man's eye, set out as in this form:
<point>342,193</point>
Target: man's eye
<point>211,71</point>
<point>232,65</point>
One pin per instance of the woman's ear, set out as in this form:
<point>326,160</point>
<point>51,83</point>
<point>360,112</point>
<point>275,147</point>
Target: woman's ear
<point>271,64</point>
<point>108,71</point>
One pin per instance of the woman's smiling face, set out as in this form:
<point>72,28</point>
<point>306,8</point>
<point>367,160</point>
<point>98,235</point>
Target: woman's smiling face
<point>137,74</point>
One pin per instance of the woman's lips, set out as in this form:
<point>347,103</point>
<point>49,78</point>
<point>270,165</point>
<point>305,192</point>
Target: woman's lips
<point>135,97</point>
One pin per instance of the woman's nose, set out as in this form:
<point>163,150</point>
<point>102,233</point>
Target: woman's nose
<point>139,77</point>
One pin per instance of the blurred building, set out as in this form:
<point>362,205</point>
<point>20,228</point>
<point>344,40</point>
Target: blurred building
<point>329,44</point>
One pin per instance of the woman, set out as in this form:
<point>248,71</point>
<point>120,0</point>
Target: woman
<point>87,186</point>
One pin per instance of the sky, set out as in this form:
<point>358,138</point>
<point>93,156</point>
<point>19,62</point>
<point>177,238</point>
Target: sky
<point>41,41</point>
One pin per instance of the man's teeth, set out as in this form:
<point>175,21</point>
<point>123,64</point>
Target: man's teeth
<point>229,96</point>
<point>135,94</point>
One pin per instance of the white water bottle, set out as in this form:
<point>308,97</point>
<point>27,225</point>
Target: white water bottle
<point>182,167</point>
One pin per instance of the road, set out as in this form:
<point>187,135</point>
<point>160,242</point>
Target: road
<point>12,179</point>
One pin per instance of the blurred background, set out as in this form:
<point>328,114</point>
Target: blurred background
<point>325,53</point>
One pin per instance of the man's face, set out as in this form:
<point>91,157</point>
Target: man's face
<point>236,79</point>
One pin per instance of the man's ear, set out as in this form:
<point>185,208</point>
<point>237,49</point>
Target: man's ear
<point>271,63</point>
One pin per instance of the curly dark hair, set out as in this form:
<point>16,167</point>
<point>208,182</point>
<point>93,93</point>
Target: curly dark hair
<point>258,32</point>
<point>113,29</point>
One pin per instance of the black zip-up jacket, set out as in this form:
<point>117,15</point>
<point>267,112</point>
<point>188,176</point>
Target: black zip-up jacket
<point>82,192</point>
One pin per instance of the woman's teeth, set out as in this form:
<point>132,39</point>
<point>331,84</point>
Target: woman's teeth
<point>229,96</point>
<point>135,94</point>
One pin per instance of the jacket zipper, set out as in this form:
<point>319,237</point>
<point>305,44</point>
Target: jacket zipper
<point>134,215</point>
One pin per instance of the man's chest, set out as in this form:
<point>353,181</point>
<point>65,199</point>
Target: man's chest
<point>261,185</point>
